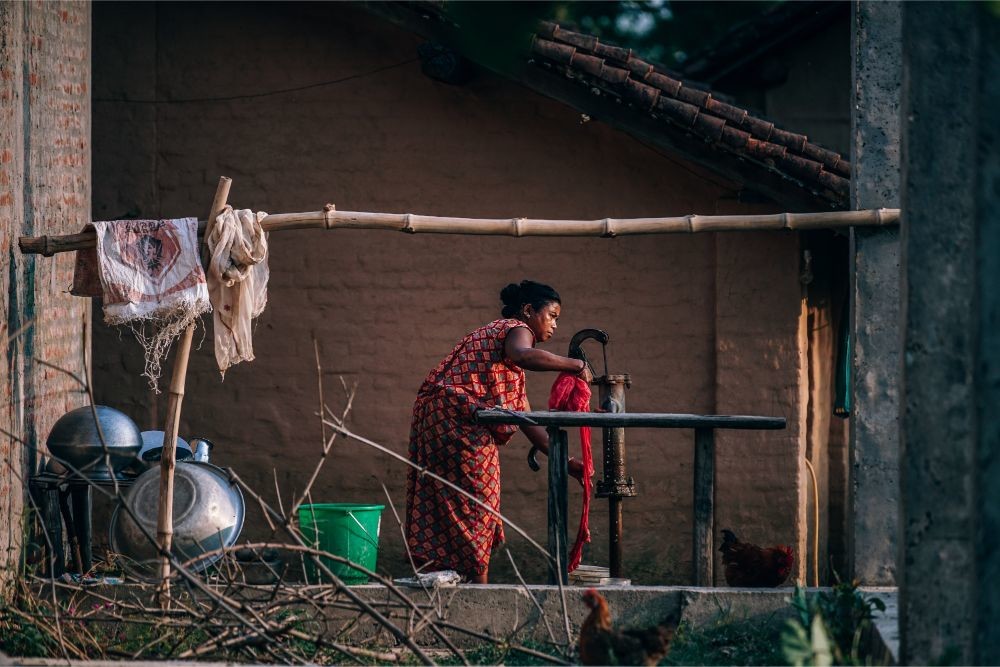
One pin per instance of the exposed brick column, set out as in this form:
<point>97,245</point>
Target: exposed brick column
<point>44,189</point>
<point>11,219</point>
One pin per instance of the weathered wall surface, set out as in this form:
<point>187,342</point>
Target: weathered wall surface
<point>804,84</point>
<point>950,440</point>
<point>385,307</point>
<point>759,373</point>
<point>44,189</point>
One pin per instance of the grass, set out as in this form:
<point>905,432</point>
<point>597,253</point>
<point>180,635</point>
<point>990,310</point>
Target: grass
<point>728,642</point>
<point>492,654</point>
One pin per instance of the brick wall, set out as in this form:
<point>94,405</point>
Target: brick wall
<point>385,308</point>
<point>44,189</point>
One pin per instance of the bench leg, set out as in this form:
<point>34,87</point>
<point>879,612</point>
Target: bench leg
<point>703,556</point>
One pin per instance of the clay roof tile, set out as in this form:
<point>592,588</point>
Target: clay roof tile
<point>789,139</point>
<point>685,114</point>
<point>616,53</point>
<point>664,83</point>
<point>693,96</point>
<point>618,72</point>
<point>560,53</point>
<point>641,95</point>
<point>710,126</point>
<point>587,42</point>
<point>589,64</point>
<point>640,68</point>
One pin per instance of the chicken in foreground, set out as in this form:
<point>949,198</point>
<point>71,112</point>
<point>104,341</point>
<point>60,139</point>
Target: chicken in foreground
<point>600,644</point>
<point>750,566</point>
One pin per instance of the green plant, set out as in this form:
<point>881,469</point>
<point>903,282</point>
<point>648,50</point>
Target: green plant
<point>830,627</point>
<point>23,638</point>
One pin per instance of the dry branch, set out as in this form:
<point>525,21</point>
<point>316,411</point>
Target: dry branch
<point>218,615</point>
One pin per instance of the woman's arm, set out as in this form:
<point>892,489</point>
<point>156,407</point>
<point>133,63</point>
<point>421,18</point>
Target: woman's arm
<point>539,438</point>
<point>519,349</point>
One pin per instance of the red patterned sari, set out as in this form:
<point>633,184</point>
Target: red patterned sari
<point>444,529</point>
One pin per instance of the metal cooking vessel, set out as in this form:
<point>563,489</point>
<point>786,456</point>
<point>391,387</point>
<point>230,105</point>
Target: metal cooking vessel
<point>74,440</point>
<point>208,515</point>
<point>152,449</point>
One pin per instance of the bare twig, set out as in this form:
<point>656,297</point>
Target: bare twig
<point>534,600</point>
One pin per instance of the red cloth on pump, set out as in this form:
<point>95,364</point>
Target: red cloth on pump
<point>571,394</point>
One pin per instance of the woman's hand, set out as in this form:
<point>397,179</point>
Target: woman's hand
<point>576,470</point>
<point>585,373</point>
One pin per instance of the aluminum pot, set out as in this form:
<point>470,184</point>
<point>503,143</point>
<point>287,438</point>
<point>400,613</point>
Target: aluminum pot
<point>74,440</point>
<point>152,448</point>
<point>208,515</point>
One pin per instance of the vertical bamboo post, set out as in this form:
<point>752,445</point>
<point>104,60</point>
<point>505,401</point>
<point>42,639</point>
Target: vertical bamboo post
<point>165,513</point>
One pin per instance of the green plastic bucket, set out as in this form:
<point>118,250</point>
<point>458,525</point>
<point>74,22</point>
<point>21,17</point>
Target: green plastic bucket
<point>348,530</point>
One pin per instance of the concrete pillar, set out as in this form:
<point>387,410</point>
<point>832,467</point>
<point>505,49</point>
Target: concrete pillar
<point>873,492</point>
<point>950,470</point>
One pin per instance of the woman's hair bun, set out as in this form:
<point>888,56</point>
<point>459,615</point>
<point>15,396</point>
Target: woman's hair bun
<point>537,294</point>
<point>511,295</point>
<point>511,298</point>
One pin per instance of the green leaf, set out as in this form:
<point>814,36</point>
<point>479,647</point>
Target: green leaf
<point>795,645</point>
<point>822,653</point>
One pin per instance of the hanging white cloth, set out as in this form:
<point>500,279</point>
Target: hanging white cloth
<point>237,282</point>
<point>149,274</point>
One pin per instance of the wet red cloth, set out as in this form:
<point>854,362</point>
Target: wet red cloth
<point>444,529</point>
<point>571,394</point>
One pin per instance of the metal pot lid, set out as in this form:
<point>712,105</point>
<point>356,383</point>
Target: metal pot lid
<point>77,428</point>
<point>76,441</point>
<point>152,447</point>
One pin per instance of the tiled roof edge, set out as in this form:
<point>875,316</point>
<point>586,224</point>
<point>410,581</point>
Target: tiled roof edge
<point>620,72</point>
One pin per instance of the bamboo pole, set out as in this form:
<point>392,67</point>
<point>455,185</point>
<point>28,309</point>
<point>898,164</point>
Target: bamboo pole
<point>165,511</point>
<point>330,218</point>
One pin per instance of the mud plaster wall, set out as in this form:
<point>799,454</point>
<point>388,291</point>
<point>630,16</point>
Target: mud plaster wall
<point>702,324</point>
<point>44,189</point>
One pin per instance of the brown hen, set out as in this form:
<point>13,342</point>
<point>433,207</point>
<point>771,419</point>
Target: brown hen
<point>750,566</point>
<point>600,644</point>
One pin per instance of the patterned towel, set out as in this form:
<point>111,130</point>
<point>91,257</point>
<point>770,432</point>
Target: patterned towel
<point>150,274</point>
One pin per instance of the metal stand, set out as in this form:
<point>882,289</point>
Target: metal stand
<point>615,485</point>
<point>78,518</point>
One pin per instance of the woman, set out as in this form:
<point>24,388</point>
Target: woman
<point>445,529</point>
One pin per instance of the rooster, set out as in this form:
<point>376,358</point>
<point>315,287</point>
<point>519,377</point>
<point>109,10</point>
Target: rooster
<point>750,566</point>
<point>600,644</point>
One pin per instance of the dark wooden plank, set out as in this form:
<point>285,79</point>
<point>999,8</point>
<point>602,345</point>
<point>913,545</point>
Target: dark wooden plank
<point>634,419</point>
<point>558,474</point>
<point>703,555</point>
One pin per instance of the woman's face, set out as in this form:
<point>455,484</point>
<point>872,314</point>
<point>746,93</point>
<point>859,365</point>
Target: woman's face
<point>542,322</point>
